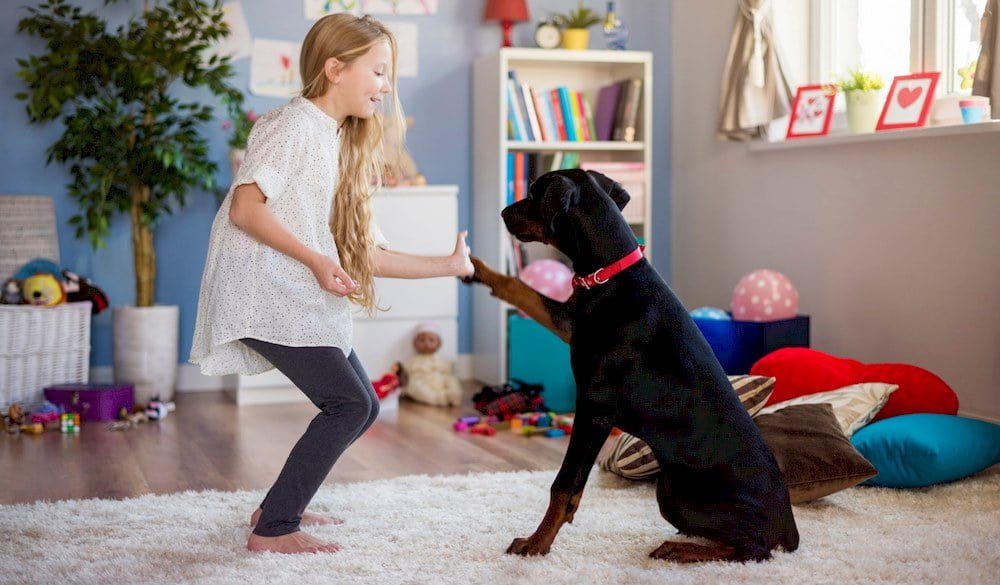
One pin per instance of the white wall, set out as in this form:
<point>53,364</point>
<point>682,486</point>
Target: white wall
<point>894,246</point>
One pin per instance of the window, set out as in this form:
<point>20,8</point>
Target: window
<point>891,37</point>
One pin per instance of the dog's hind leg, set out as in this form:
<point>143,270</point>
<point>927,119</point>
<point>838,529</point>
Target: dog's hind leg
<point>585,443</point>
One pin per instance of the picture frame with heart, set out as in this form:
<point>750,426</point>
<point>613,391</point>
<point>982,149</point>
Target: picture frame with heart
<point>812,112</point>
<point>908,104</point>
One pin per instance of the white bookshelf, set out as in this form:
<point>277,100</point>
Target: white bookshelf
<point>585,71</point>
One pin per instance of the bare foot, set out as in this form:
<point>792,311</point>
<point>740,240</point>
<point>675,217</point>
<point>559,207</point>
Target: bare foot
<point>295,542</point>
<point>308,519</point>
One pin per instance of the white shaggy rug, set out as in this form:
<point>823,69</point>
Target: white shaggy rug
<point>454,529</point>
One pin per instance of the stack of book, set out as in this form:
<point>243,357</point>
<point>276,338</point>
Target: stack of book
<point>564,114</point>
<point>632,177</point>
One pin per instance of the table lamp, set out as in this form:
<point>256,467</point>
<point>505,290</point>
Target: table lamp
<point>507,12</point>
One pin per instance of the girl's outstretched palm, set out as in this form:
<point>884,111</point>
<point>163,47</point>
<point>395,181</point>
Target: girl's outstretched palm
<point>463,263</point>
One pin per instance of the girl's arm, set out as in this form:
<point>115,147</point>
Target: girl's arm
<point>392,264</point>
<point>249,211</point>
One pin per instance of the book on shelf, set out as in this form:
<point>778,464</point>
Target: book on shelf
<point>604,117</point>
<point>632,177</point>
<point>627,112</point>
<point>565,104</point>
<point>514,120</point>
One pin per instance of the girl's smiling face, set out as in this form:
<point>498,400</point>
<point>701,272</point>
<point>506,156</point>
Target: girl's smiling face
<point>364,82</point>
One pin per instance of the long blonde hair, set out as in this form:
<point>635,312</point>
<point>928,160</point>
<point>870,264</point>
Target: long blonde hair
<point>346,37</point>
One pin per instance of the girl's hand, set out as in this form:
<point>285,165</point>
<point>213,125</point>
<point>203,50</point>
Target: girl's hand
<point>463,264</point>
<point>331,277</point>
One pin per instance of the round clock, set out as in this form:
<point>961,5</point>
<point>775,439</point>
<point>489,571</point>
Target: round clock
<point>547,35</point>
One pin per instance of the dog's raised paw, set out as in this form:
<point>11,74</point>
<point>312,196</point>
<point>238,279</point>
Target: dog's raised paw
<point>526,548</point>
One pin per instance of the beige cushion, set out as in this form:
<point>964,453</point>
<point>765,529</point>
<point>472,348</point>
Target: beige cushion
<point>631,458</point>
<point>855,405</point>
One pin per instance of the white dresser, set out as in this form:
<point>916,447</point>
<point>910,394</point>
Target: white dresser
<point>415,220</point>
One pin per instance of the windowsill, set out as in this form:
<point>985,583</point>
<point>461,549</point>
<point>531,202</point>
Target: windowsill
<point>909,133</point>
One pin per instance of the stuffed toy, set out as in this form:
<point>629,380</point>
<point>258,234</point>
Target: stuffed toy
<point>81,288</point>
<point>429,378</point>
<point>11,292</point>
<point>389,382</point>
<point>43,290</point>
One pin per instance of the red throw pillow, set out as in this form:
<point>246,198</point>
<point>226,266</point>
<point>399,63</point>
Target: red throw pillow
<point>799,371</point>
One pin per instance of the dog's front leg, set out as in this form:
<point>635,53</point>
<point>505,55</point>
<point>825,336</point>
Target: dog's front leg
<point>548,313</point>
<point>589,435</point>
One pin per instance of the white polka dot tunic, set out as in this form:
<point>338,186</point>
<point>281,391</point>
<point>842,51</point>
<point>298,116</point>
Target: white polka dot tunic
<point>251,290</point>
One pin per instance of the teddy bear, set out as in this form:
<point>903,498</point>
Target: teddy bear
<point>429,379</point>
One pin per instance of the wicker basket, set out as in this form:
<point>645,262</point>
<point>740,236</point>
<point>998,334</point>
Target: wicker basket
<point>41,346</point>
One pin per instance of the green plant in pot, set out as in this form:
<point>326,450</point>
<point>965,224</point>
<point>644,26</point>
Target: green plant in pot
<point>863,92</point>
<point>131,146</point>
<point>575,24</point>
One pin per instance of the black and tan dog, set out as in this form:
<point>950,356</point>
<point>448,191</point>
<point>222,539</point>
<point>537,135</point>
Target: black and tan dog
<point>641,364</point>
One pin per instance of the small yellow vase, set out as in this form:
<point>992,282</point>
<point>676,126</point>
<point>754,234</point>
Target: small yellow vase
<point>575,38</point>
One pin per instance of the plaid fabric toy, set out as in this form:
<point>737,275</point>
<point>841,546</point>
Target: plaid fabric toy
<point>504,401</point>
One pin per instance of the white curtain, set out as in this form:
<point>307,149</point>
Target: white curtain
<point>987,82</point>
<point>754,88</point>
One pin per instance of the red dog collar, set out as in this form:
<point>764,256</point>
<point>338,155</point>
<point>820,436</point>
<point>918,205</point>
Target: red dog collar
<point>602,275</point>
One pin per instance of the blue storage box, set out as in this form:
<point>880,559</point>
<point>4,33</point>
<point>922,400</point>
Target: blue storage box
<point>537,356</point>
<point>739,344</point>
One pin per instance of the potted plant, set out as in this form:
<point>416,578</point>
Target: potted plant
<point>130,145</point>
<point>575,24</point>
<point>863,92</point>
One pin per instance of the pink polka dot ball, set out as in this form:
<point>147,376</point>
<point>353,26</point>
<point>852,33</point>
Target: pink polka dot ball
<point>764,295</point>
<point>551,278</point>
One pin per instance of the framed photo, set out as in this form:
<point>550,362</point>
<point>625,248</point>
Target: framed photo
<point>909,102</point>
<point>812,112</point>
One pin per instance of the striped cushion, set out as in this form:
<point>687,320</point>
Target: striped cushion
<point>631,458</point>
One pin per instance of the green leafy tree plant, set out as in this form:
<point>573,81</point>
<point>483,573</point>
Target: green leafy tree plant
<point>131,146</point>
<point>580,17</point>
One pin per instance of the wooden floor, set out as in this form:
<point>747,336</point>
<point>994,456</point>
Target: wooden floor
<point>210,443</point>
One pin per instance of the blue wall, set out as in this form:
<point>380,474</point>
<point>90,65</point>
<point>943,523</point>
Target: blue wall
<point>439,100</point>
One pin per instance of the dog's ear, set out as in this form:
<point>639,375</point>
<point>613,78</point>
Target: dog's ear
<point>559,195</point>
<point>613,188</point>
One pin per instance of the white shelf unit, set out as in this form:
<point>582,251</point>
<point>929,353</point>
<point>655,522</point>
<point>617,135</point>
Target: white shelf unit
<point>416,220</point>
<point>585,71</point>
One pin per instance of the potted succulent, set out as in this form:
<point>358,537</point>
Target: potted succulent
<point>575,24</point>
<point>131,146</point>
<point>863,92</point>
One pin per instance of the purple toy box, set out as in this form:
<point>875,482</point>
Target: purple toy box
<point>94,402</point>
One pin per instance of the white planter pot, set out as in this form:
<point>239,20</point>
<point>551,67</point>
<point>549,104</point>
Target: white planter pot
<point>144,341</point>
<point>863,110</point>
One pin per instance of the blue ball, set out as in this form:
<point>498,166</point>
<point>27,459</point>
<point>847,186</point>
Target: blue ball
<point>713,313</point>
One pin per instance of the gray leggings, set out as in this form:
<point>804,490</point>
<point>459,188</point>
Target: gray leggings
<point>340,388</point>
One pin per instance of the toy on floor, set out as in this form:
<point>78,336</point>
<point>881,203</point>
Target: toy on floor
<point>528,424</point>
<point>506,400</point>
<point>158,410</point>
<point>14,419</point>
<point>429,378</point>
<point>391,381</point>
<point>69,422</point>
<point>128,419</point>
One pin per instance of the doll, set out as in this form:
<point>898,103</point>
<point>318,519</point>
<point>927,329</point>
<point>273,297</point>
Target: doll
<point>428,377</point>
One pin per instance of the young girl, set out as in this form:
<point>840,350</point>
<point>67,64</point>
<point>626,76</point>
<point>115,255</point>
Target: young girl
<point>294,245</point>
